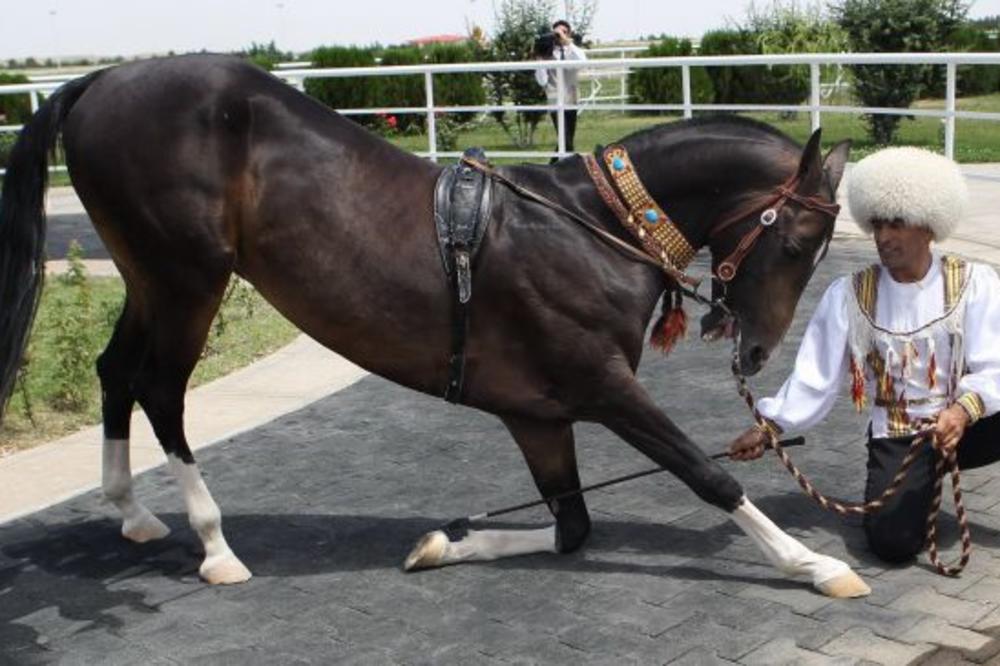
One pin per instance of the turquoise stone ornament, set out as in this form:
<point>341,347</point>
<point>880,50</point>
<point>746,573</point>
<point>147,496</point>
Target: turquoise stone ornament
<point>652,216</point>
<point>618,163</point>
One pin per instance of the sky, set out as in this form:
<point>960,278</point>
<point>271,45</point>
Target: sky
<point>60,28</point>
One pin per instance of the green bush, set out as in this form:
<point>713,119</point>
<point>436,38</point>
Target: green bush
<point>349,93</point>
<point>16,108</point>
<point>466,89</point>
<point>650,85</point>
<point>396,91</point>
<point>402,91</point>
<point>73,326</point>
<point>894,26</point>
<point>780,84</point>
<point>265,55</point>
<point>972,79</point>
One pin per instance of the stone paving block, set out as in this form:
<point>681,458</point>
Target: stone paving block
<point>784,652</point>
<point>957,611</point>
<point>861,643</point>
<point>941,633</point>
<point>700,656</point>
<point>986,588</point>
<point>796,596</point>
<point>702,631</point>
<point>611,643</point>
<point>851,614</point>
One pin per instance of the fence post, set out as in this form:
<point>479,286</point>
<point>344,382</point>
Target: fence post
<point>949,108</point>
<point>624,92</point>
<point>814,96</point>
<point>34,101</point>
<point>686,90</point>
<point>561,111</point>
<point>431,122</point>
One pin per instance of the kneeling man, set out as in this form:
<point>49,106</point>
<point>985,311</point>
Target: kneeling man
<point>917,336</point>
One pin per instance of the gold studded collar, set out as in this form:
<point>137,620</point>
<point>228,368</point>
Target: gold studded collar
<point>637,211</point>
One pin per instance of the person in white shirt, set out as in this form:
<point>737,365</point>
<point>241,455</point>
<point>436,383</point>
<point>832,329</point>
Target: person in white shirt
<point>916,337</point>
<point>561,47</point>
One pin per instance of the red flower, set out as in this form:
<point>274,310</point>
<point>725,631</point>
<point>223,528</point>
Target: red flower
<point>391,121</point>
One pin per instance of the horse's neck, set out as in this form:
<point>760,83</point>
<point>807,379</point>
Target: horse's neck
<point>698,183</point>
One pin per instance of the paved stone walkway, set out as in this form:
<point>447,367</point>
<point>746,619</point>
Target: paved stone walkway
<point>323,504</point>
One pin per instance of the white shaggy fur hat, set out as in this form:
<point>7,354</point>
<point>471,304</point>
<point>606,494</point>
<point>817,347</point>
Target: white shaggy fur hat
<point>921,188</point>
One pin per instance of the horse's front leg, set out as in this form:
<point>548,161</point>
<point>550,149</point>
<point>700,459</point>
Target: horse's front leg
<point>634,417</point>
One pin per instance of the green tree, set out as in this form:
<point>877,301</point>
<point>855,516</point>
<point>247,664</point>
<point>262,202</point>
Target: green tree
<point>888,26</point>
<point>265,55</point>
<point>518,22</point>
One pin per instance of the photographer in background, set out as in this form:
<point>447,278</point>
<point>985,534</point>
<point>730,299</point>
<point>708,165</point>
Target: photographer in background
<point>559,45</point>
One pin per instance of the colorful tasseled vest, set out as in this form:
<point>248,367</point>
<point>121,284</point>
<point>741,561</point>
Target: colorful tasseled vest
<point>890,355</point>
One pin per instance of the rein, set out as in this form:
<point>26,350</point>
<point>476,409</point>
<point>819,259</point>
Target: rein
<point>945,464</point>
<point>724,273</point>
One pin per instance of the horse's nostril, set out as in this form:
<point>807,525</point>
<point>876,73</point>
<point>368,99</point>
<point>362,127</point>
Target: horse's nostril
<point>758,355</point>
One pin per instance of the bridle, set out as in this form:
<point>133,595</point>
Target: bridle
<point>727,268</point>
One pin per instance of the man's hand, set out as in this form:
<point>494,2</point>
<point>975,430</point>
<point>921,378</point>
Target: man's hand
<point>748,446</point>
<point>950,426</point>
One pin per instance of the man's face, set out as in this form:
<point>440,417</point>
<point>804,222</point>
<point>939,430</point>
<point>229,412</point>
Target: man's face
<point>563,32</point>
<point>899,246</point>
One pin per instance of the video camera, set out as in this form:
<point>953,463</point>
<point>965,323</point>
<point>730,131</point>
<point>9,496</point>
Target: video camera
<point>545,44</point>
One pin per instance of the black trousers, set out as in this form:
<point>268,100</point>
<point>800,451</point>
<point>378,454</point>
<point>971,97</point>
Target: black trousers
<point>570,115</point>
<point>896,532</point>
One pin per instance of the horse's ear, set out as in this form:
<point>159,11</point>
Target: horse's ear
<point>811,163</point>
<point>835,162</point>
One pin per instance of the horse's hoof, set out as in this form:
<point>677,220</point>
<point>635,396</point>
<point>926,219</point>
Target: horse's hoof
<point>225,569</point>
<point>847,585</point>
<point>146,527</point>
<point>428,553</point>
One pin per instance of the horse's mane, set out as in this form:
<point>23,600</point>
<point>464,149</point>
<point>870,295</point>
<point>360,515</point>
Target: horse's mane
<point>730,124</point>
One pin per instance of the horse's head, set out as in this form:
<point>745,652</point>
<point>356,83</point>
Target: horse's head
<point>793,225</point>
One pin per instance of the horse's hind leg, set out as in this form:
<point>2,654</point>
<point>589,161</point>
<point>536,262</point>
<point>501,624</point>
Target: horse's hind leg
<point>549,450</point>
<point>117,368</point>
<point>179,325</point>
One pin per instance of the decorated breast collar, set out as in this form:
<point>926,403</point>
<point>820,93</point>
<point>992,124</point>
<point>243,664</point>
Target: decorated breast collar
<point>637,211</point>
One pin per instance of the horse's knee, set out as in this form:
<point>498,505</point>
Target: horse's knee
<point>716,486</point>
<point>572,523</point>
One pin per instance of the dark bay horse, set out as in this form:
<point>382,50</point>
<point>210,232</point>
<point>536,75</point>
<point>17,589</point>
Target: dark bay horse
<point>196,167</point>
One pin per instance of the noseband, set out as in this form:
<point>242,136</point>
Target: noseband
<point>659,235</point>
<point>727,268</point>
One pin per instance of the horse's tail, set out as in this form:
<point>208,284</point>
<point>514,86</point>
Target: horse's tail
<point>22,227</point>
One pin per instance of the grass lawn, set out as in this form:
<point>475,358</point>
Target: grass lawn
<point>60,389</point>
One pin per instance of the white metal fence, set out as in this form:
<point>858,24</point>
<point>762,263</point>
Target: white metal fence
<point>814,106</point>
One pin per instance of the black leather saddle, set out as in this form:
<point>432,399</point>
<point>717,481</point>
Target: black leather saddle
<point>462,199</point>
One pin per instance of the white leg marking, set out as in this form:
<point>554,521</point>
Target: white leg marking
<point>139,524</point>
<point>829,575</point>
<point>221,566</point>
<point>435,549</point>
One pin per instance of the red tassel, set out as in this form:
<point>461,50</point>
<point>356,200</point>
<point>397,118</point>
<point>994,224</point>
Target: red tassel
<point>857,385</point>
<point>671,327</point>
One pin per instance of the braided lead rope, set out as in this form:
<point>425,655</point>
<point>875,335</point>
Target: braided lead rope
<point>948,463</point>
<point>878,503</point>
